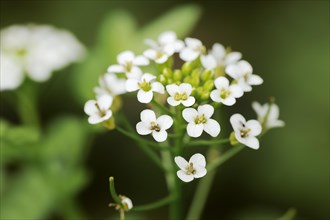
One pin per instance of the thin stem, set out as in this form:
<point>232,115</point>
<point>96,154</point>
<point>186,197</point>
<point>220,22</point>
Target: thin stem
<point>161,107</point>
<point>207,142</point>
<point>154,205</point>
<point>226,156</point>
<point>113,192</point>
<point>289,215</point>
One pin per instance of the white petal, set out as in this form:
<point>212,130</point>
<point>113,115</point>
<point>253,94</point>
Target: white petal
<point>275,123</point>
<point>200,172</point>
<point>148,116</point>
<point>198,159</point>
<point>184,177</point>
<point>193,42</point>
<point>244,85</point>
<point>261,110</point>
<point>11,73</point>
<point>148,77</point>
<point>157,87</point>
<point>151,54</point>
<point>274,112</point>
<point>128,202</point>
<point>233,71</point>
<point>167,37</point>
<point>212,127</point>
<point>252,142</point>
<point>38,73</point>
<point>229,101</point>
<point>206,109</point>
<point>245,66</point>
<point>255,127</point>
<point>132,85</point>
<point>143,128</point>
<point>185,87</point>
<point>189,102</point>
<point>135,73</point>
<point>218,51</point>
<point>125,56</point>
<point>215,96</point>
<point>116,69</point>
<point>255,80</point>
<point>181,162</point>
<point>165,122</point>
<point>144,97</point>
<point>189,114</point>
<point>221,83</point>
<point>172,89</point>
<point>159,136</point>
<point>140,61</point>
<point>95,119</point>
<point>208,61</point>
<point>104,102</point>
<point>236,121</point>
<point>90,107</point>
<point>151,43</point>
<point>178,45</point>
<point>236,91</point>
<point>233,57</point>
<point>172,101</point>
<point>162,59</point>
<point>194,130</point>
<point>188,54</point>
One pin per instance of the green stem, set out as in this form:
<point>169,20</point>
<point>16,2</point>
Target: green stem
<point>207,142</point>
<point>154,205</point>
<point>113,192</point>
<point>161,107</point>
<point>289,215</point>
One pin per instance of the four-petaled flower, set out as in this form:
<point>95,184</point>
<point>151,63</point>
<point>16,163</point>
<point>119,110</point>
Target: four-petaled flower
<point>224,92</point>
<point>219,57</point>
<point>195,168</point>
<point>268,115</point>
<point>149,124</point>
<point>242,73</point>
<point>110,84</point>
<point>201,120</point>
<point>165,47</point>
<point>246,131</point>
<point>99,109</point>
<point>193,49</point>
<point>128,63</point>
<point>145,86</point>
<point>180,94</point>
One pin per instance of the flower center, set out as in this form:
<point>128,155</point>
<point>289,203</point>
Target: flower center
<point>180,96</point>
<point>21,52</point>
<point>101,113</point>
<point>244,132</point>
<point>200,119</point>
<point>190,169</point>
<point>144,85</point>
<point>224,93</point>
<point>128,66</point>
<point>154,126</point>
<point>159,54</point>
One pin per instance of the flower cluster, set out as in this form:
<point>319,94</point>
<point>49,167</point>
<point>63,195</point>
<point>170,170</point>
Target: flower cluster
<point>186,97</point>
<point>37,51</point>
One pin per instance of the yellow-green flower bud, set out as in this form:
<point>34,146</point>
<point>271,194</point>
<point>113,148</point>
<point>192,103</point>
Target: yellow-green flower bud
<point>167,72</point>
<point>208,85</point>
<point>187,79</point>
<point>162,79</point>
<point>186,68</point>
<point>177,75</point>
<point>110,123</point>
<point>205,95</point>
<point>219,71</point>
<point>232,139</point>
<point>206,75</point>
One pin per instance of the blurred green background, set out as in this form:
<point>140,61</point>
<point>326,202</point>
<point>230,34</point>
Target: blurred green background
<point>287,43</point>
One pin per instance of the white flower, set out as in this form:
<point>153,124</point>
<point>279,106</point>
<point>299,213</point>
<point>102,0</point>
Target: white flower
<point>110,84</point>
<point>149,124</point>
<point>219,57</point>
<point>99,109</point>
<point>145,86</point>
<point>127,202</point>
<point>38,51</point>
<point>224,92</point>
<point>246,131</point>
<point>180,94</point>
<point>165,47</point>
<point>193,49</point>
<point>128,63</point>
<point>242,73</point>
<point>201,120</point>
<point>195,168</point>
<point>268,115</point>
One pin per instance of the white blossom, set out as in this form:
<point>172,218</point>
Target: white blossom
<point>128,63</point>
<point>242,73</point>
<point>193,49</point>
<point>166,45</point>
<point>37,50</point>
<point>110,84</point>
<point>219,57</point>
<point>246,131</point>
<point>149,124</point>
<point>127,202</point>
<point>268,115</point>
<point>180,94</point>
<point>201,120</point>
<point>195,168</point>
<point>146,87</point>
<point>99,110</point>
<point>224,92</point>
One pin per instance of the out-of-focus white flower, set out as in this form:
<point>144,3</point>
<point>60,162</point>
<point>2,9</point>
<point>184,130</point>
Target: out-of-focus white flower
<point>127,202</point>
<point>37,50</point>
<point>268,115</point>
<point>242,73</point>
<point>11,73</point>
<point>165,47</point>
<point>193,49</point>
<point>128,63</point>
<point>246,131</point>
<point>149,124</point>
<point>145,86</point>
<point>195,168</point>
<point>99,109</point>
<point>219,57</point>
<point>224,92</point>
<point>180,94</point>
<point>110,84</point>
<point>201,120</point>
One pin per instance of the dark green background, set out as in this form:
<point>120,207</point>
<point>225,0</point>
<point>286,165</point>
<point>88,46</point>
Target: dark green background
<point>287,42</point>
